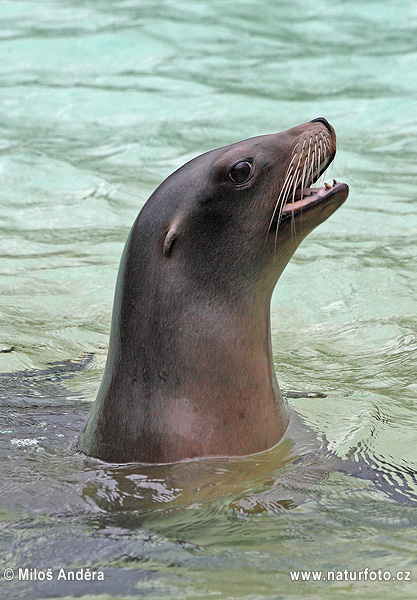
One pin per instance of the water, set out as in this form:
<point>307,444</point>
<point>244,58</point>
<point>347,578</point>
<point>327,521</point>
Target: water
<point>99,102</point>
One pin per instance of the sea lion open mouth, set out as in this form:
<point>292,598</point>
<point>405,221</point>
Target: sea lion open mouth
<point>307,197</point>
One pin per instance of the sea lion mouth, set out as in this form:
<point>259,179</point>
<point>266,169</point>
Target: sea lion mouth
<point>307,197</point>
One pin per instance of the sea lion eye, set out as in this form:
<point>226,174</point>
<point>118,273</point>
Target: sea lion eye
<point>240,172</point>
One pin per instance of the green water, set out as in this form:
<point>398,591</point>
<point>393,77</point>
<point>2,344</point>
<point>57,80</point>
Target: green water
<point>99,102</point>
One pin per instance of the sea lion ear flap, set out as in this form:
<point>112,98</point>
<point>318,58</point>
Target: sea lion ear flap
<point>170,238</point>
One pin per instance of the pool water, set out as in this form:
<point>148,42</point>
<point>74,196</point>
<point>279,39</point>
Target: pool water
<point>99,102</point>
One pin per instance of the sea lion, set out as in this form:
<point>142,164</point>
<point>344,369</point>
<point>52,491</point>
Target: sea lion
<point>190,371</point>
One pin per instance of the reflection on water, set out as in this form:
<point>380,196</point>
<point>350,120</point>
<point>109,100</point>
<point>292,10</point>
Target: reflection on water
<point>98,104</point>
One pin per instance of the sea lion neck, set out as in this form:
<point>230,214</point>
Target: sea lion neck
<point>197,376</point>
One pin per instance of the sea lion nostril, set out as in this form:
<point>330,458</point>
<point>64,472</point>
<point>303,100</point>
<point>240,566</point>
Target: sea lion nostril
<point>324,121</point>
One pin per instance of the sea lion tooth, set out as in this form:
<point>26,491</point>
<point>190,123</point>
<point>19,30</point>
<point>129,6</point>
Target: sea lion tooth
<point>327,186</point>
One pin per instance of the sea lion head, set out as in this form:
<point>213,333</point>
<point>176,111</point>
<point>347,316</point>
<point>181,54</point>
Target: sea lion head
<point>248,206</point>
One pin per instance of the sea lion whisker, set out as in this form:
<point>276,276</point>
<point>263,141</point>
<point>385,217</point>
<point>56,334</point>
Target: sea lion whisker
<point>317,158</point>
<point>285,192</point>
<point>283,189</point>
<point>325,160</point>
<point>303,180</point>
<point>296,181</point>
<point>291,173</point>
<point>328,143</point>
<point>307,161</point>
<point>322,160</point>
<point>318,162</point>
<point>294,150</point>
<point>312,164</point>
<point>324,150</point>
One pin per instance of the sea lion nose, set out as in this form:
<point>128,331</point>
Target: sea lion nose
<point>324,121</point>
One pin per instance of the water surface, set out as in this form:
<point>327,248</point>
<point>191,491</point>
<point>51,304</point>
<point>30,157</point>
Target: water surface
<point>99,102</point>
